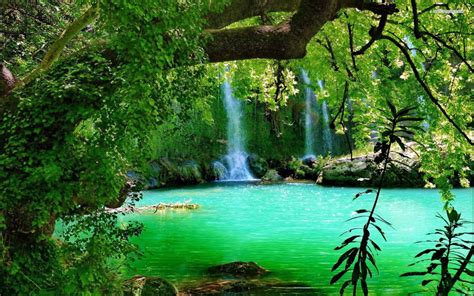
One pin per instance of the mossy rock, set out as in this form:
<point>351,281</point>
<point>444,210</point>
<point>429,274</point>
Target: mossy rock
<point>257,165</point>
<point>239,269</point>
<point>272,176</point>
<point>149,286</point>
<point>364,172</point>
<point>227,287</point>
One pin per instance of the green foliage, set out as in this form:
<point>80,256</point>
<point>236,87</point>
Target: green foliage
<point>124,93</point>
<point>77,130</point>
<point>451,257</point>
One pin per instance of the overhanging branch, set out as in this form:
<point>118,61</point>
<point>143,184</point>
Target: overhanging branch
<point>425,86</point>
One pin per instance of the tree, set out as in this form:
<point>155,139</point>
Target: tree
<point>74,108</point>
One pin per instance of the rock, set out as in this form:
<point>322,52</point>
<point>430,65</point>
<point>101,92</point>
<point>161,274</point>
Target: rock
<point>309,160</point>
<point>239,269</point>
<point>257,165</point>
<point>149,286</point>
<point>272,176</point>
<point>250,287</point>
<point>364,172</point>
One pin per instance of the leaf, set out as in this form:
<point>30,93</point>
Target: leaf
<point>375,245</point>
<point>392,108</point>
<point>399,142</point>
<point>343,257</point>
<point>378,217</point>
<point>347,241</point>
<point>380,230</point>
<point>350,230</point>
<point>413,273</point>
<point>356,217</point>
<point>426,282</point>
<point>361,211</point>
<point>468,272</point>
<point>350,260</point>
<point>337,276</point>
<point>361,193</point>
<point>410,119</point>
<point>405,111</point>
<point>432,267</point>
<point>372,260</point>
<point>344,286</point>
<point>438,254</point>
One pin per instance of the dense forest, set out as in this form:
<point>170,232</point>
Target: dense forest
<point>101,100</point>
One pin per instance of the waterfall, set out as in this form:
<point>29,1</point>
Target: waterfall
<point>308,119</point>
<point>234,166</point>
<point>327,135</point>
<point>316,128</point>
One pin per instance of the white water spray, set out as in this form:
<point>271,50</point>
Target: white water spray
<point>310,99</point>
<point>234,166</point>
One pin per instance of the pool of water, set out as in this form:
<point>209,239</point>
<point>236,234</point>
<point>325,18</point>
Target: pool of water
<point>290,229</point>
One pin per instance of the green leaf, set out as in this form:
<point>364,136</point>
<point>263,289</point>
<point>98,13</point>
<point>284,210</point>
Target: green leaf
<point>347,241</point>
<point>414,273</point>
<point>426,282</point>
<point>344,286</point>
<point>343,257</point>
<point>405,111</point>
<point>338,276</point>
<point>392,108</point>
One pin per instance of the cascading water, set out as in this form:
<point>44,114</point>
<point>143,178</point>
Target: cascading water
<point>309,125</point>
<point>315,128</point>
<point>327,136</point>
<point>234,166</point>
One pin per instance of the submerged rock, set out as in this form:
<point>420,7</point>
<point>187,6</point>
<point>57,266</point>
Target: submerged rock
<point>250,287</point>
<point>239,269</point>
<point>272,176</point>
<point>148,286</point>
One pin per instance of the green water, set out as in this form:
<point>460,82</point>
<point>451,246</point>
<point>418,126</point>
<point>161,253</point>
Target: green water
<point>290,229</point>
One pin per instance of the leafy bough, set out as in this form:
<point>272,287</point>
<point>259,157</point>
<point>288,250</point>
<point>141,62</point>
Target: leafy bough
<point>398,125</point>
<point>450,257</point>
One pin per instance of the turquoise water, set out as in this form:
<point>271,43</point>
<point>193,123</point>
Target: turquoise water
<point>290,229</point>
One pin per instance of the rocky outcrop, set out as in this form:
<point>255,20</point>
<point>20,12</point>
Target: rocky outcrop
<point>173,171</point>
<point>364,172</point>
<point>239,269</point>
<point>148,286</point>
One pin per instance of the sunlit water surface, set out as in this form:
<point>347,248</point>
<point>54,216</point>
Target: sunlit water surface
<point>290,229</point>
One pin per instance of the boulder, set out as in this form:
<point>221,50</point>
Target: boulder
<point>239,269</point>
<point>272,176</point>
<point>257,165</point>
<point>148,286</point>
<point>364,172</point>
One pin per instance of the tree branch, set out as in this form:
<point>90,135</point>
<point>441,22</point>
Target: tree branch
<point>462,267</point>
<point>351,45</point>
<point>375,34</point>
<point>425,87</point>
<point>242,9</point>
<point>283,41</point>
<point>57,47</point>
<point>421,34</point>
